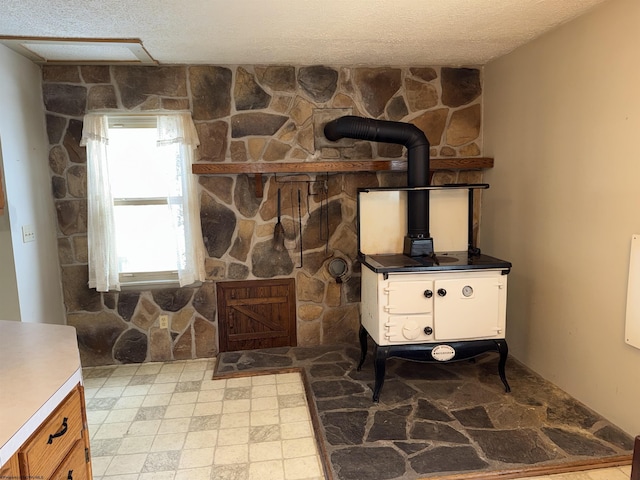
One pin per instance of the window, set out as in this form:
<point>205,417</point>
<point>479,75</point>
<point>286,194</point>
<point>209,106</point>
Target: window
<point>143,221</point>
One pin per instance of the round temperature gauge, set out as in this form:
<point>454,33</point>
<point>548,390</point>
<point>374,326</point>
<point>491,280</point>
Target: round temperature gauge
<point>467,291</point>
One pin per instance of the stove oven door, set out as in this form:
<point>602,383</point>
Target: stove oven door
<point>408,314</point>
<point>470,308</point>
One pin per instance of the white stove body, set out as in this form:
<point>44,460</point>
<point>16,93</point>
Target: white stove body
<point>463,305</point>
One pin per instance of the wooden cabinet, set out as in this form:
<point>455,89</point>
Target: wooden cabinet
<point>59,448</point>
<point>10,470</point>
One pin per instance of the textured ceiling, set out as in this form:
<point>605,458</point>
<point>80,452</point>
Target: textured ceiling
<point>306,32</point>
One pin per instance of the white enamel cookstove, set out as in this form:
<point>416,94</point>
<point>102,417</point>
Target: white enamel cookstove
<point>423,304</point>
<point>438,313</point>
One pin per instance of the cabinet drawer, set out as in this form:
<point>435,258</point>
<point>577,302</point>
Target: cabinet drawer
<point>49,445</point>
<point>74,467</point>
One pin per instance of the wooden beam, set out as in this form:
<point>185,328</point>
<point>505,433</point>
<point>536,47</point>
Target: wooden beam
<point>338,166</point>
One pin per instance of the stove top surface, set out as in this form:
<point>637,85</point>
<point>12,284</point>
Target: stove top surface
<point>442,261</point>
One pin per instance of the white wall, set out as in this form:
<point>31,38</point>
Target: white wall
<point>9,304</point>
<point>24,146</point>
<point>562,120</point>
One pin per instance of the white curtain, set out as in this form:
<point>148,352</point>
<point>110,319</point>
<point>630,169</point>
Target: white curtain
<point>103,258</point>
<point>177,136</point>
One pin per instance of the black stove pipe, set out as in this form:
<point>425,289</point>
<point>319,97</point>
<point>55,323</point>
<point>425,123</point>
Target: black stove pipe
<point>418,241</point>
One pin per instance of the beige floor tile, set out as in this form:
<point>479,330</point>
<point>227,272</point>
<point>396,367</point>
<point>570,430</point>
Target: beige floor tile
<point>267,470</point>
<point>96,417</point>
<point>180,411</point>
<point>117,381</point>
<point>296,430</point>
<point>302,468</point>
<point>238,382</point>
<point>167,442</point>
<point>607,474</point>
<point>236,406</point>
<point>109,392</point>
<point>144,427</point>
<point>134,390</point>
<point>299,447</point>
<point>259,391</point>
<point>203,473</point>
<point>121,415</point>
<point>196,457</point>
<point>138,444</point>
<point>265,417</point>
<point>122,464</point>
<point>214,384</point>
<point>233,420</point>
<point>167,378</point>
<point>292,377</point>
<point>99,465</point>
<point>264,403</point>
<point>157,400</point>
<point>263,380</point>
<point>259,452</point>
<point>125,370</point>
<point>294,414</point>
<point>149,369</point>
<point>160,388</point>
<point>112,430</point>
<point>207,408</point>
<point>126,476</point>
<point>183,397</point>
<point>174,425</point>
<point>213,395</point>
<point>228,454</point>
<point>129,402</point>
<point>156,476</point>
<point>190,376</point>
<point>173,367</point>
<point>289,388</point>
<point>233,436</point>
<point>202,439</point>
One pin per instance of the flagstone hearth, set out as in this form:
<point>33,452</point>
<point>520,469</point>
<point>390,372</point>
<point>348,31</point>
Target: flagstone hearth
<point>438,420</point>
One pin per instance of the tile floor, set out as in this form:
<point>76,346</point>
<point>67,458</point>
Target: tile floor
<point>619,473</point>
<point>170,421</point>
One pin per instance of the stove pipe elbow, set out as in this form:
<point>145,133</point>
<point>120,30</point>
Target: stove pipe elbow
<point>418,241</point>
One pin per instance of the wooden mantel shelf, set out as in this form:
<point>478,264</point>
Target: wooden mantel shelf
<point>342,166</point>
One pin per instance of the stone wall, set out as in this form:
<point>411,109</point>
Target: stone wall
<point>247,114</point>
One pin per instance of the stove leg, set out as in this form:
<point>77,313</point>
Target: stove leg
<point>380,364</point>
<point>363,346</point>
<point>503,350</point>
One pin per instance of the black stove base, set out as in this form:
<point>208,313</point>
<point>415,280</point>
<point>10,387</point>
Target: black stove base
<point>464,350</point>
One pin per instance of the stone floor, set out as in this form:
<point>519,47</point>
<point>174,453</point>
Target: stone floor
<point>438,420</point>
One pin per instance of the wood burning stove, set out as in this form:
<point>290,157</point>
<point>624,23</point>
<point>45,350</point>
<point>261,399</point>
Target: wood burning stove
<point>422,304</point>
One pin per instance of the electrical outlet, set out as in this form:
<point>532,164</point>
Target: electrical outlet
<point>28,233</point>
<point>164,321</point>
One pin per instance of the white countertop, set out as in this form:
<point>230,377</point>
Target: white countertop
<point>39,366</point>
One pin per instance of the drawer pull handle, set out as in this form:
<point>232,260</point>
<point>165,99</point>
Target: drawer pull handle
<point>70,476</point>
<point>62,431</point>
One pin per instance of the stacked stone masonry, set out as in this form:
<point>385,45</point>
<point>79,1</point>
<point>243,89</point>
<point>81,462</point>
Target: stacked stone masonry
<point>248,114</point>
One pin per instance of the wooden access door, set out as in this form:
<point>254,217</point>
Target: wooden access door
<point>256,314</point>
